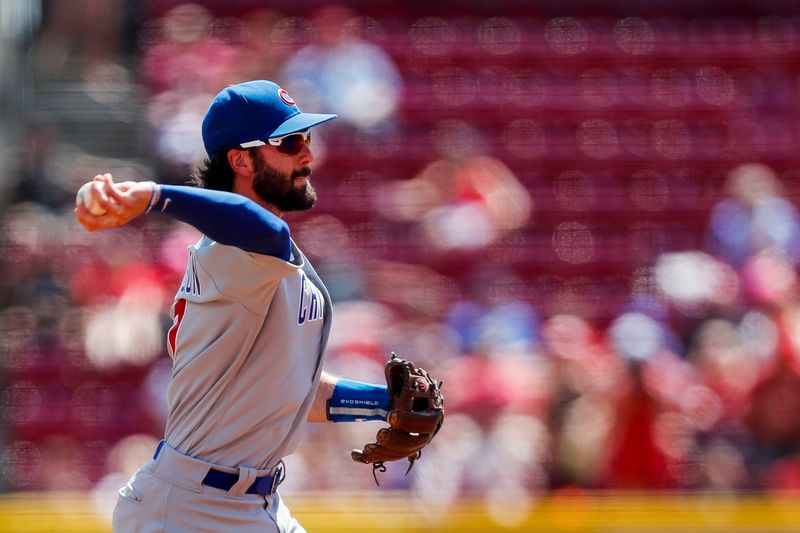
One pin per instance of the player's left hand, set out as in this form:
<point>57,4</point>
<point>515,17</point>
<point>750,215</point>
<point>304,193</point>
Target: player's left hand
<point>416,414</point>
<point>122,201</point>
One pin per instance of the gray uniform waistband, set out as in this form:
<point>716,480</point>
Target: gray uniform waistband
<point>192,474</point>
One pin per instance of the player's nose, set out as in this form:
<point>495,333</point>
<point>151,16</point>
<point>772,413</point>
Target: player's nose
<point>306,157</point>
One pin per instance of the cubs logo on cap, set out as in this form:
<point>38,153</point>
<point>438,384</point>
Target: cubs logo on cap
<point>285,97</point>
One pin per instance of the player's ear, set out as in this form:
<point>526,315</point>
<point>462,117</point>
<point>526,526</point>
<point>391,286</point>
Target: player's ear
<point>241,161</point>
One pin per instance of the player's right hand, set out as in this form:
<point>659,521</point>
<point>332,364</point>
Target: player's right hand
<point>122,201</point>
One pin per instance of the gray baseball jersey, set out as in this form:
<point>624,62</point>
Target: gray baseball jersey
<point>248,338</point>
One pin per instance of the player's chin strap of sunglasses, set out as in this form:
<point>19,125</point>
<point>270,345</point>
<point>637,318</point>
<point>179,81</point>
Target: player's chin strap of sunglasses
<point>219,479</point>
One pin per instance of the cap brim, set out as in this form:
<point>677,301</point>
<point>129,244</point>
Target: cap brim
<point>301,122</point>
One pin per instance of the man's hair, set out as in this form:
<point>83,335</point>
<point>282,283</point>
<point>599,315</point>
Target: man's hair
<point>215,174</point>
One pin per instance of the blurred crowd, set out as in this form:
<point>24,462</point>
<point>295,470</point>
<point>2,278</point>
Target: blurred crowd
<point>618,312</point>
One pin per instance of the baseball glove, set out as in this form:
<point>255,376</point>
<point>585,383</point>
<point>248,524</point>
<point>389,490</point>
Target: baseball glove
<point>416,412</point>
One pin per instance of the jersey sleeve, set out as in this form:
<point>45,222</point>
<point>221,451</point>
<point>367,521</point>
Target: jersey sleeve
<point>227,218</point>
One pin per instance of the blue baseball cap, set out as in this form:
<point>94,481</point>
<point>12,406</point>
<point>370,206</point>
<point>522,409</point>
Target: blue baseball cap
<point>250,111</point>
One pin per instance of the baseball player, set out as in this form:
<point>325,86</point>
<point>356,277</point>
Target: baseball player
<point>250,323</point>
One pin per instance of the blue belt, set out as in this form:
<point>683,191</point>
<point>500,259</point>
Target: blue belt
<point>264,485</point>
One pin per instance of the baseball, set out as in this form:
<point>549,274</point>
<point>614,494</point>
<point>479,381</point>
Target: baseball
<point>85,197</point>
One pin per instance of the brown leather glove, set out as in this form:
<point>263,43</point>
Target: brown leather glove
<point>416,413</point>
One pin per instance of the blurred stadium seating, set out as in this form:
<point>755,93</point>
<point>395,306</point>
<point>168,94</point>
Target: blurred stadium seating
<point>582,215</point>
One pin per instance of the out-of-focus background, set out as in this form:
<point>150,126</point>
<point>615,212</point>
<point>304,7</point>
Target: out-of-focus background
<point>582,216</point>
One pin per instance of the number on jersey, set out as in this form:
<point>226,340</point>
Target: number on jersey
<point>178,310</point>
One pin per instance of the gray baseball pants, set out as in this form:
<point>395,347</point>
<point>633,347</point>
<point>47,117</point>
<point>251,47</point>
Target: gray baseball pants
<point>167,495</point>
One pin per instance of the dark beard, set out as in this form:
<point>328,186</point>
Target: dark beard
<point>276,188</point>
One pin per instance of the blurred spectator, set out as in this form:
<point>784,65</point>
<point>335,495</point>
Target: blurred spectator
<point>695,282</point>
<point>588,378</point>
<point>665,408</point>
<point>262,42</point>
<point>635,460</point>
<point>629,412</point>
<point>462,204</point>
<point>182,54</point>
<point>754,217</point>
<point>498,341</point>
<point>731,369</point>
<point>771,414</point>
<point>343,73</point>
<point>184,64</point>
<point>492,316</point>
<point>769,278</point>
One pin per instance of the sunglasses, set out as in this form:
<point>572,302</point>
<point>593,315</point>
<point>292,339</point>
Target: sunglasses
<point>290,144</point>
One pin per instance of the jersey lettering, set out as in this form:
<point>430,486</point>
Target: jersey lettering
<point>191,282</point>
<point>172,336</point>
<point>311,302</point>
